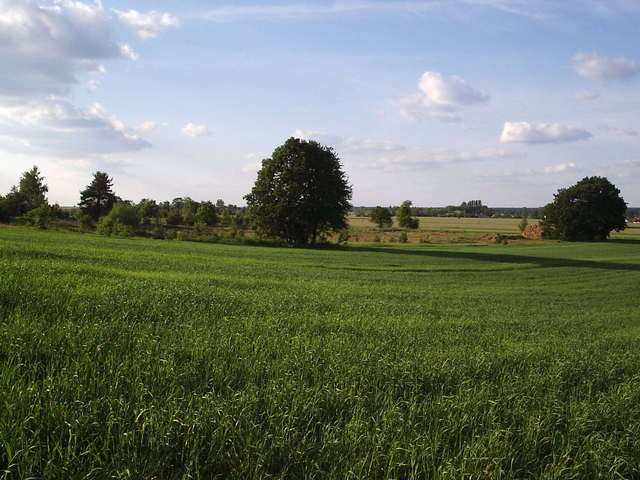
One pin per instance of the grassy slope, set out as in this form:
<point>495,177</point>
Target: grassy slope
<point>151,359</point>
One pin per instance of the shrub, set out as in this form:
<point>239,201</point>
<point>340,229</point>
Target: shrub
<point>39,217</point>
<point>404,238</point>
<point>377,239</point>
<point>86,223</point>
<point>125,214</point>
<point>105,226</point>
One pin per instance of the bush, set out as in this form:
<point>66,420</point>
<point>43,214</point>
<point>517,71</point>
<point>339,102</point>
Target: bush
<point>404,238</point>
<point>377,239</point>
<point>125,214</point>
<point>86,223</point>
<point>39,217</point>
<point>105,226</point>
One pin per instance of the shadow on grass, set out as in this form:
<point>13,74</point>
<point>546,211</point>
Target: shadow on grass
<point>506,258</point>
<point>625,241</point>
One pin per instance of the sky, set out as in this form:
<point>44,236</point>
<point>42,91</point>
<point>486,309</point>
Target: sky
<point>434,101</point>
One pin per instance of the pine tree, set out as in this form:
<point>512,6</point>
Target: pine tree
<point>98,198</point>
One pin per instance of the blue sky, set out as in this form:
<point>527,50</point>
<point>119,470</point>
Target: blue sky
<point>434,101</point>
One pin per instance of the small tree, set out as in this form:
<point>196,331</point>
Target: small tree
<point>589,210</point>
<point>403,214</point>
<point>33,189</point>
<point>207,213</point>
<point>98,198</point>
<point>381,217</point>
<point>300,194</point>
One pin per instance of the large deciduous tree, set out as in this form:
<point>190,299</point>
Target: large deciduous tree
<point>98,198</point>
<point>301,193</point>
<point>587,211</point>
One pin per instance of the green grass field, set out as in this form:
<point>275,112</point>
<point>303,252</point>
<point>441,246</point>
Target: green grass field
<point>145,359</point>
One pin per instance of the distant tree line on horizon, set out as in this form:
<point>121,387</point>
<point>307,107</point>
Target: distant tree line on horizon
<point>471,209</point>
<point>300,196</point>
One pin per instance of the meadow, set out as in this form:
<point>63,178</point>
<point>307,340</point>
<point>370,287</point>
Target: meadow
<point>150,359</point>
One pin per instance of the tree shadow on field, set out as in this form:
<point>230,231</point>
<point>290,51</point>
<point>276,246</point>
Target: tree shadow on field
<point>507,258</point>
<point>625,241</point>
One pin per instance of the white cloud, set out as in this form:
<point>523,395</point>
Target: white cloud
<point>348,144</point>
<point>525,132</point>
<point>440,98</point>
<point>560,167</point>
<point>48,47</point>
<point>128,52</point>
<point>56,127</point>
<point>45,45</point>
<point>430,159</point>
<point>149,24</point>
<point>451,91</point>
<point>192,130</point>
<point>586,96</point>
<point>603,69</point>
<point>148,126</point>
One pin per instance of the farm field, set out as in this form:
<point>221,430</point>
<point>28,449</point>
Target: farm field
<point>148,359</point>
<point>454,230</point>
<point>484,225</point>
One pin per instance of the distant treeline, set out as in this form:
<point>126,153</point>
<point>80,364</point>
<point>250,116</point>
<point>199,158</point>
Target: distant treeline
<point>472,209</point>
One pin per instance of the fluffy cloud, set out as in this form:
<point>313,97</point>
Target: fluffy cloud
<point>148,126</point>
<point>55,127</point>
<point>147,25</point>
<point>452,91</point>
<point>559,168</point>
<point>192,130</point>
<point>46,47</point>
<point>525,132</point>
<point>348,144</point>
<point>440,98</point>
<point>603,69</point>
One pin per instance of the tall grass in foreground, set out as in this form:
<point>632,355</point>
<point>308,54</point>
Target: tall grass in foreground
<point>147,359</point>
